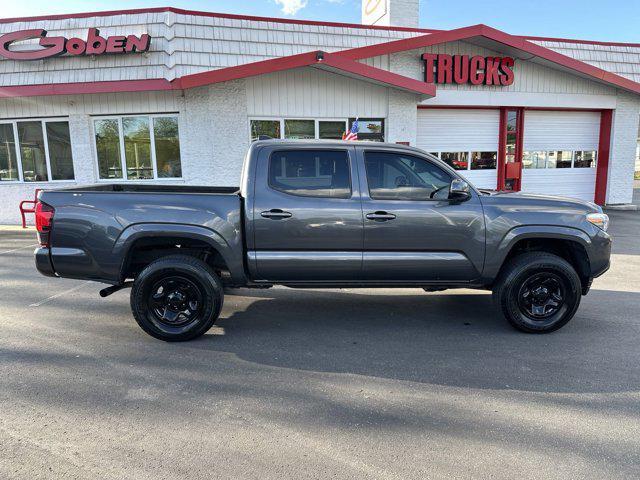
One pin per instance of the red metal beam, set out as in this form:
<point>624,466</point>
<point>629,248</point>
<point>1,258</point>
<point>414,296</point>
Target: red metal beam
<point>604,147</point>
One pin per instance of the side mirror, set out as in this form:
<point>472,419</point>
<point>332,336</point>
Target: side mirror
<point>459,190</point>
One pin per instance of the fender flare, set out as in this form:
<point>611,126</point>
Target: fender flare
<point>138,231</point>
<point>497,256</point>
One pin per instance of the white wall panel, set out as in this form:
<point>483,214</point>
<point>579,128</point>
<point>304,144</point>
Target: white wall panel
<point>309,92</point>
<point>568,182</point>
<point>548,130</point>
<point>458,129</point>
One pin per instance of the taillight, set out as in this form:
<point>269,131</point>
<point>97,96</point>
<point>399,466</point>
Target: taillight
<point>44,218</point>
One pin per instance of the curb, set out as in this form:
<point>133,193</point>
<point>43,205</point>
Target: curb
<point>628,207</point>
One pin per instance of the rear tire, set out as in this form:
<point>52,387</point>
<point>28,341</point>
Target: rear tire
<point>176,298</point>
<point>538,292</point>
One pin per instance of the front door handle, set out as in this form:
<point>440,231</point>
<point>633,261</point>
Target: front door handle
<point>380,216</point>
<point>275,213</point>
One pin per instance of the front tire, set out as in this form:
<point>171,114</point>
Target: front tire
<point>176,298</point>
<point>538,292</point>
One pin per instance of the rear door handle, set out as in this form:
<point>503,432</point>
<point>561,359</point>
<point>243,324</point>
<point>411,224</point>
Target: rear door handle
<point>380,216</point>
<point>275,213</point>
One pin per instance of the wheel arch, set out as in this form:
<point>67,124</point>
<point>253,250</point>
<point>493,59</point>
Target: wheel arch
<point>569,243</point>
<point>135,235</point>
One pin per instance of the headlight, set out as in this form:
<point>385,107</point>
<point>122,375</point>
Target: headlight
<point>600,220</point>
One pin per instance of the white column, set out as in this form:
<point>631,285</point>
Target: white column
<point>624,136</point>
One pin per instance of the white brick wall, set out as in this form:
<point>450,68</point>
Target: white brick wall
<point>402,118</point>
<point>623,149</point>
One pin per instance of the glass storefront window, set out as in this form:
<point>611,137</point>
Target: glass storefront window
<point>585,159</point>
<point>331,130</point>
<point>108,148</point>
<point>8,156</point>
<point>457,160</point>
<point>299,129</point>
<point>484,160</point>
<point>41,151</point>
<point>32,152</point>
<point>512,120</point>
<point>137,147</point>
<point>60,159</point>
<point>534,159</point>
<point>148,154</point>
<point>268,128</point>
<point>559,159</point>
<point>167,146</point>
<point>370,129</point>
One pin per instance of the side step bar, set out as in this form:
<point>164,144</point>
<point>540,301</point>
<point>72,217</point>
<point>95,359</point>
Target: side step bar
<point>105,292</point>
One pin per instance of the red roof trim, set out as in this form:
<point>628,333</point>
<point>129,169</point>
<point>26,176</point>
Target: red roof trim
<point>500,37</point>
<point>316,58</point>
<point>86,87</point>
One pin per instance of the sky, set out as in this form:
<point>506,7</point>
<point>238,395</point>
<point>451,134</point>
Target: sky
<point>607,20</point>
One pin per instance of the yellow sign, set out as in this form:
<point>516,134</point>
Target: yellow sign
<point>373,11</point>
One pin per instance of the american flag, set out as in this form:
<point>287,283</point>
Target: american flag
<point>353,133</point>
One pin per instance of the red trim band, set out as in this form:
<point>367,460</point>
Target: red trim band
<point>153,84</point>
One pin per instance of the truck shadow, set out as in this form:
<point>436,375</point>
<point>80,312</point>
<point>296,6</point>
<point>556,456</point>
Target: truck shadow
<point>455,340</point>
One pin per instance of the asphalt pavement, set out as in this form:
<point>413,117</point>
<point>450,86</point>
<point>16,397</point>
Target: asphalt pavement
<point>383,384</point>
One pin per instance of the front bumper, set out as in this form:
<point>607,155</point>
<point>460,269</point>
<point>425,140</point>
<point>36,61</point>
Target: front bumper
<point>43,261</point>
<point>600,255</point>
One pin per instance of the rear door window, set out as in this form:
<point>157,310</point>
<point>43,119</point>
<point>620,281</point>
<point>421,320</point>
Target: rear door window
<point>311,173</point>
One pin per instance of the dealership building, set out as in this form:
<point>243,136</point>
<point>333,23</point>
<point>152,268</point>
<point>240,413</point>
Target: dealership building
<point>169,96</point>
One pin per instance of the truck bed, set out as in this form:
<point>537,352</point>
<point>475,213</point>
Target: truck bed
<point>95,226</point>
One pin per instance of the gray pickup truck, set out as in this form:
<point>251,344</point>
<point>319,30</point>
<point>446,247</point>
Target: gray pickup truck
<point>323,214</point>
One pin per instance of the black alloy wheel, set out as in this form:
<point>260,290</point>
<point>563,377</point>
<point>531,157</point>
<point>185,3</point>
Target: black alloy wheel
<point>538,292</point>
<point>176,298</point>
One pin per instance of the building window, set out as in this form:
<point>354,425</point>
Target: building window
<point>138,147</point>
<point>370,129</point>
<point>296,128</point>
<point>331,130</point>
<point>35,151</point>
<point>266,128</point>
<point>59,141</point>
<point>559,159</point>
<point>8,158</point>
<point>299,129</point>
<point>457,160</point>
<point>167,147</point>
<point>311,173</point>
<point>585,159</point>
<point>534,159</point>
<point>460,160</point>
<point>484,160</point>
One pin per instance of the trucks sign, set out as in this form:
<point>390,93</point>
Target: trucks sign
<point>460,69</point>
<point>94,44</point>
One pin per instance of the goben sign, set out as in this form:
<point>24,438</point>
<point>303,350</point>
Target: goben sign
<point>441,68</point>
<point>94,44</point>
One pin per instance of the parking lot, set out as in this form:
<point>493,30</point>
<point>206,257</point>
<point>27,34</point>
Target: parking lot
<point>318,384</point>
